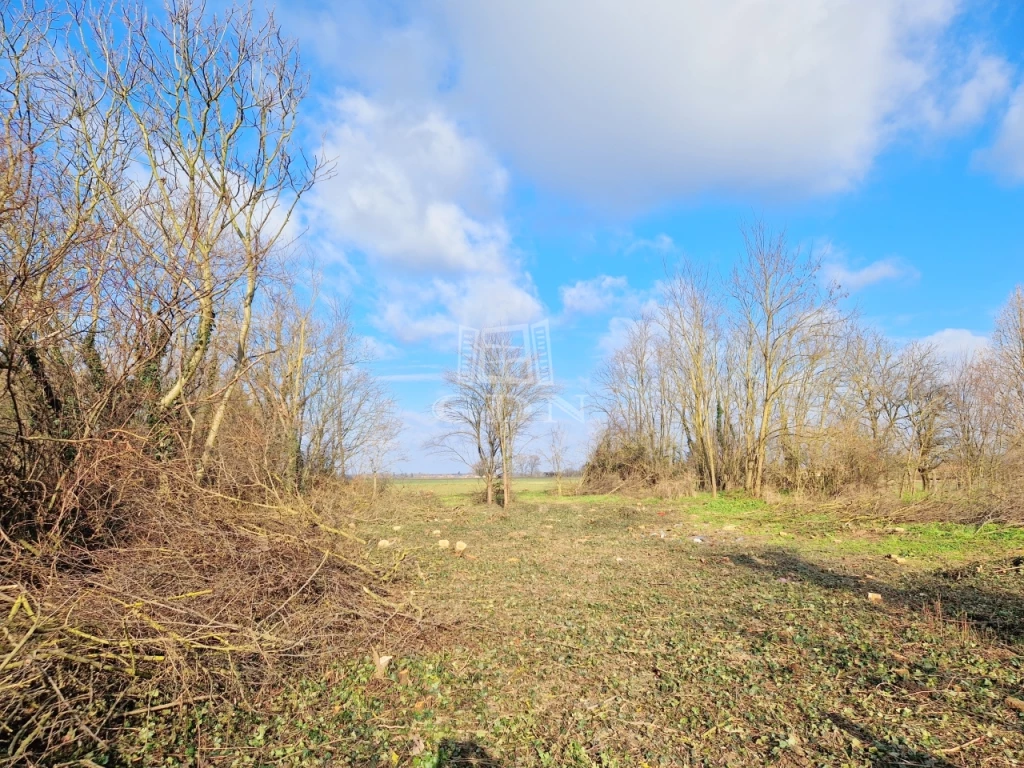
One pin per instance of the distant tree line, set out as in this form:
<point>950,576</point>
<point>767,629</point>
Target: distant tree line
<point>761,380</point>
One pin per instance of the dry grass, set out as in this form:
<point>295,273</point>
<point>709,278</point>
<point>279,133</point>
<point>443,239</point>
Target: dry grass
<point>599,633</point>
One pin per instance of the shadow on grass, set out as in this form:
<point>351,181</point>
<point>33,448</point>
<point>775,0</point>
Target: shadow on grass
<point>986,606</point>
<point>465,753</point>
<point>889,754</point>
<point>993,601</point>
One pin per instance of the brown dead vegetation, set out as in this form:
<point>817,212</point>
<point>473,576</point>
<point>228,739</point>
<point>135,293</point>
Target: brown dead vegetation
<point>1004,506</point>
<point>198,596</point>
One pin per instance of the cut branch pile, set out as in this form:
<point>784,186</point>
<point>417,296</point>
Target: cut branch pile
<point>209,598</point>
<point>1005,507</point>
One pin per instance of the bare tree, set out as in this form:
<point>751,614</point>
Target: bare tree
<point>557,453</point>
<point>690,315</point>
<point>472,435</point>
<point>923,407</point>
<point>492,404</point>
<point>782,312</point>
<point>310,378</point>
<point>977,424</point>
<point>768,383</point>
<point>636,397</point>
<point>527,465</point>
<point>209,107</point>
<point>1008,344</point>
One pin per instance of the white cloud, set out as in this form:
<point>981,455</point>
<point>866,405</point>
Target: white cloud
<point>660,244</point>
<point>982,80</point>
<point>410,190</point>
<point>394,317</point>
<point>1005,157</point>
<point>620,327</point>
<point>422,200</point>
<point>592,296</point>
<point>855,279</point>
<point>377,350</point>
<point>488,301</point>
<point>616,337</point>
<point>433,311</point>
<point>955,342</point>
<point>393,61</point>
<point>629,103</point>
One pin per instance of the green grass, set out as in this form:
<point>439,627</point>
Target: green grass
<point>594,631</point>
<point>470,490</point>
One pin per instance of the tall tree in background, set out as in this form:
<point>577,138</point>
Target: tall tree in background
<point>1008,346</point>
<point>690,315</point>
<point>557,453</point>
<point>331,417</point>
<point>635,394</point>
<point>782,313</point>
<point>923,411</point>
<point>494,400</point>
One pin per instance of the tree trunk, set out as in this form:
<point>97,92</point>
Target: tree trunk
<point>238,370</point>
<point>712,469</point>
<point>506,482</point>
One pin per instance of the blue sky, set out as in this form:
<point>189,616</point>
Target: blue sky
<point>518,161</point>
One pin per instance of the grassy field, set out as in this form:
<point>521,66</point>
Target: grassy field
<point>605,632</point>
<point>461,490</point>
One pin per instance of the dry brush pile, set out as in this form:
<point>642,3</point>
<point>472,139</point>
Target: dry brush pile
<point>1002,506</point>
<point>201,597</point>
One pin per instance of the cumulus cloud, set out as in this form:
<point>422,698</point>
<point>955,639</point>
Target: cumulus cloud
<point>956,342</point>
<point>620,327</point>
<point>616,337</point>
<point>631,103</point>
<point>661,243</point>
<point>980,81</point>
<point>377,349</point>
<point>411,190</point>
<point>412,324</point>
<point>592,296</point>
<point>1005,157</point>
<point>433,311</point>
<point>422,201</point>
<point>855,279</point>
